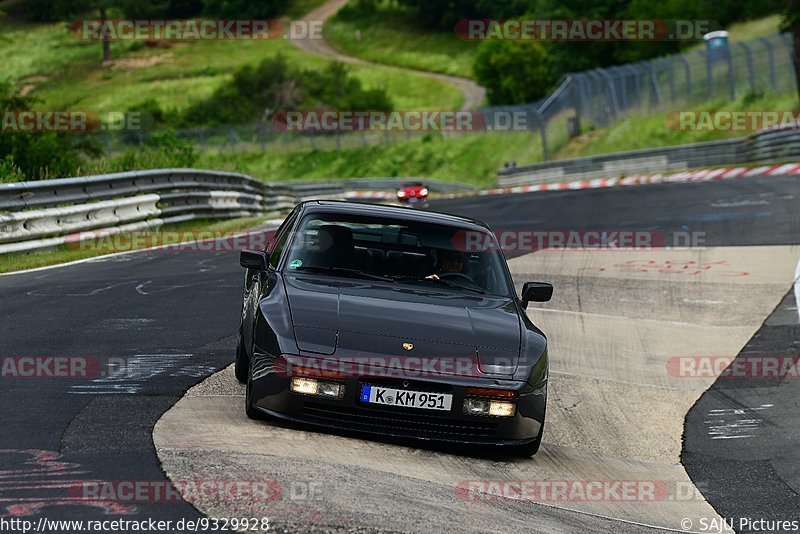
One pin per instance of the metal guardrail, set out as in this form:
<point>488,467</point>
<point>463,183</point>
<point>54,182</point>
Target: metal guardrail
<point>43,214</point>
<point>33,224</point>
<point>767,145</point>
<point>48,213</point>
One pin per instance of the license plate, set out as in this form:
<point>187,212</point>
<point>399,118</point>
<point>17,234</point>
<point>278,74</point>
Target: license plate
<point>407,399</point>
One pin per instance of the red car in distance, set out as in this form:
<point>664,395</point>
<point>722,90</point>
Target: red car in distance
<point>411,192</point>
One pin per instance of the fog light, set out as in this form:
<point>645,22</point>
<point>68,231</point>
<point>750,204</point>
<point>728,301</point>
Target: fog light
<point>330,389</point>
<point>309,386</point>
<point>501,408</point>
<point>306,386</point>
<point>476,407</point>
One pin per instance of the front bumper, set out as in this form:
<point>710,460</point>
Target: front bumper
<point>270,394</point>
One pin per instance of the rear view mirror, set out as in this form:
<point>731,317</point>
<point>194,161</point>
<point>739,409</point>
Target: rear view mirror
<point>253,259</point>
<point>536,292</point>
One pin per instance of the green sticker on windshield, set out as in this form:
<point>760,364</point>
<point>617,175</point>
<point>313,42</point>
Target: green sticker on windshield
<point>294,264</point>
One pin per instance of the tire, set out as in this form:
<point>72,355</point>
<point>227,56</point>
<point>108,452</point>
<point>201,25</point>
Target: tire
<point>529,449</point>
<point>251,412</point>
<point>241,366</point>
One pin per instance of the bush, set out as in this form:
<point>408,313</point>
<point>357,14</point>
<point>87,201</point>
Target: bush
<point>443,15</point>
<point>335,88</point>
<point>513,72</point>
<point>162,150</point>
<point>244,9</point>
<point>38,155</point>
<point>256,93</point>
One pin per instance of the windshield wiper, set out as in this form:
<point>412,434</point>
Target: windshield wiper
<point>343,270</point>
<point>449,283</point>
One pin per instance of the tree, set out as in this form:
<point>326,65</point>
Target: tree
<point>513,72</point>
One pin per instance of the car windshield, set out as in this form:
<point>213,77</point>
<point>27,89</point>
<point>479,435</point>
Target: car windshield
<point>399,251</point>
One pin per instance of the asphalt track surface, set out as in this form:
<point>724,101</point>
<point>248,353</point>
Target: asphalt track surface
<point>753,471</point>
<point>172,317</point>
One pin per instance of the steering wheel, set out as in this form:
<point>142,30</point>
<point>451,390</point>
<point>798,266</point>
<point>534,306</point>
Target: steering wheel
<point>458,276</point>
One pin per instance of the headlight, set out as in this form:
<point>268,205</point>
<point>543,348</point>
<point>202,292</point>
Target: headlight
<point>488,406</point>
<point>501,408</point>
<point>309,386</point>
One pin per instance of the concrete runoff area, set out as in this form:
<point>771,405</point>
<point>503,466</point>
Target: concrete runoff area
<point>616,408</point>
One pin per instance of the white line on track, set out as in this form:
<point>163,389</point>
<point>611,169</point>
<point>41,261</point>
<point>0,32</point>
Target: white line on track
<point>126,252</point>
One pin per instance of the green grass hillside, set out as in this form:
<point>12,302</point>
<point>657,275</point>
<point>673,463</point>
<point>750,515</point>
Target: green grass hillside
<point>43,60</point>
<point>389,36</point>
<point>637,132</point>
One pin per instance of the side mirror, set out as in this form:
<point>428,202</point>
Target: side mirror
<point>253,259</point>
<point>536,292</point>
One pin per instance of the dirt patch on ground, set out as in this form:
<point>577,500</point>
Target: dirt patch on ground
<point>30,84</point>
<point>137,62</point>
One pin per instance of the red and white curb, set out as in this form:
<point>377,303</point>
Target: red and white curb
<point>704,175</point>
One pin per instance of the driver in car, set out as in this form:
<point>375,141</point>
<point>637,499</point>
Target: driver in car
<point>450,261</point>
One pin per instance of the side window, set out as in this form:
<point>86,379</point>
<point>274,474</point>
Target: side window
<point>283,236</point>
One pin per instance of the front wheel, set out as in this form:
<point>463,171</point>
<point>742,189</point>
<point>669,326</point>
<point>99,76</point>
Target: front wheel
<point>242,362</point>
<point>249,410</point>
<point>531,448</point>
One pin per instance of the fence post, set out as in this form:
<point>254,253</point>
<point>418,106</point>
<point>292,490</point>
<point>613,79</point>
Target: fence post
<point>787,39</point>
<point>612,93</point>
<point>583,91</point>
<point>542,132</point>
<point>671,72</point>
<point>576,95</point>
<point>731,76</point>
<point>771,58</point>
<point>709,74</point>
<point>629,100</point>
<point>656,88</point>
<point>637,80</point>
<point>688,70</point>
<point>750,69</point>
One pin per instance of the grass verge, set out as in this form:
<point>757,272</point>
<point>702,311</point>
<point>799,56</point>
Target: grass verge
<point>469,158</point>
<point>66,253</point>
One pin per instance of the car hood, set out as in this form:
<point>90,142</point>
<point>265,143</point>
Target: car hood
<point>344,318</point>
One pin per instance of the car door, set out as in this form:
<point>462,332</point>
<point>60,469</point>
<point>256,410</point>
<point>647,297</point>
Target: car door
<point>255,281</point>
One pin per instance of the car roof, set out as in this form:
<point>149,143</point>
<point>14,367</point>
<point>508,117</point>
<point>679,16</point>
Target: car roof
<point>394,212</point>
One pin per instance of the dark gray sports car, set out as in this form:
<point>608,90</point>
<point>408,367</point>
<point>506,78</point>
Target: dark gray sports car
<point>392,321</point>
